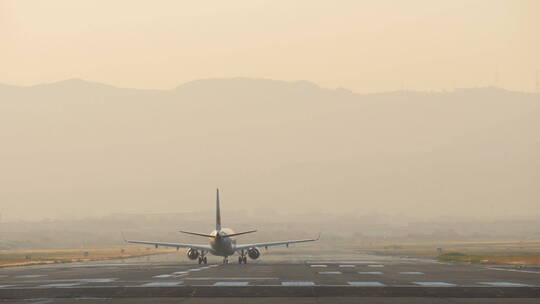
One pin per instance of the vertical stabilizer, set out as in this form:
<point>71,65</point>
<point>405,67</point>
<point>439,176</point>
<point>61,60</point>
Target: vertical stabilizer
<point>218,212</point>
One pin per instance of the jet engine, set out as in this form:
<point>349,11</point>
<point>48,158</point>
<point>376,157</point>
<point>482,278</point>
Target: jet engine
<point>192,254</point>
<point>254,253</point>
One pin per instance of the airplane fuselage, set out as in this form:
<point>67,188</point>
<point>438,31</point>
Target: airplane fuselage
<point>222,245</point>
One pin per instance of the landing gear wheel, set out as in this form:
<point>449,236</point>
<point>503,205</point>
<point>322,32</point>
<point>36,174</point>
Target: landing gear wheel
<point>240,260</point>
<point>244,259</point>
<point>200,260</point>
<point>205,261</point>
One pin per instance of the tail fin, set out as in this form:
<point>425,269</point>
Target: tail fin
<point>218,213</point>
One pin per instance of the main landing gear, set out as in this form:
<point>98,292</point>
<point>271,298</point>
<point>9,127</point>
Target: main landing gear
<point>202,258</point>
<point>242,258</point>
<point>225,260</point>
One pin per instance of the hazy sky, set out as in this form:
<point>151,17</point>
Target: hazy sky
<point>361,45</point>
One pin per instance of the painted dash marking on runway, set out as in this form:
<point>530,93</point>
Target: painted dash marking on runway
<point>180,272</point>
<point>231,284</point>
<point>162,276</point>
<point>298,283</point>
<point>367,284</point>
<point>6,286</point>
<point>58,285</point>
<point>162,284</point>
<point>376,265</point>
<point>318,266</point>
<point>370,272</point>
<point>435,284</point>
<point>504,284</point>
<point>330,272</point>
<point>513,270</point>
<point>347,266</point>
<point>31,276</point>
<point>230,278</point>
<point>98,280</point>
<point>411,272</point>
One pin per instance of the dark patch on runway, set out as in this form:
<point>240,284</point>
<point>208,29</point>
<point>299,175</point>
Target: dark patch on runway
<point>398,278</point>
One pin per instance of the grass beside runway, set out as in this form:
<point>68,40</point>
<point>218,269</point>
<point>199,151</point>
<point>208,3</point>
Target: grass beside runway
<point>10,258</point>
<point>498,259</point>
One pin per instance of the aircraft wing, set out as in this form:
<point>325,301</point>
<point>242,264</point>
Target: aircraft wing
<point>270,244</point>
<point>173,245</point>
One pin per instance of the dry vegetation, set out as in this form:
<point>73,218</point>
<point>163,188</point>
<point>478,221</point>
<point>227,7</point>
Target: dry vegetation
<point>30,257</point>
<point>486,252</point>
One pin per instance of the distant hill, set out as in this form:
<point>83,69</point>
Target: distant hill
<point>78,147</point>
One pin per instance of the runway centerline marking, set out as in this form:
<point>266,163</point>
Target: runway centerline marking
<point>318,266</point>
<point>229,278</point>
<point>343,266</point>
<point>370,272</point>
<point>504,284</point>
<point>411,272</point>
<point>31,276</point>
<point>55,285</point>
<point>435,284</point>
<point>6,286</point>
<point>231,284</point>
<point>330,272</point>
<point>162,284</point>
<point>367,284</point>
<point>161,276</point>
<point>297,283</point>
<point>376,265</point>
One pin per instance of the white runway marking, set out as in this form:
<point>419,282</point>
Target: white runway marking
<point>343,266</point>
<point>367,284</point>
<point>376,265</point>
<point>504,284</point>
<point>230,278</point>
<point>435,284</point>
<point>370,272</point>
<point>213,265</point>
<point>330,272</point>
<point>297,283</point>
<point>180,272</point>
<point>6,286</point>
<point>318,265</point>
<point>231,284</point>
<point>59,285</point>
<point>341,262</point>
<point>105,280</point>
<point>513,270</point>
<point>31,276</point>
<point>411,272</point>
<point>162,276</point>
<point>194,269</point>
<point>162,284</point>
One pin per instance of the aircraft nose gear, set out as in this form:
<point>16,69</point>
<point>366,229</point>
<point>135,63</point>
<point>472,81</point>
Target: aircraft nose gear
<point>225,260</point>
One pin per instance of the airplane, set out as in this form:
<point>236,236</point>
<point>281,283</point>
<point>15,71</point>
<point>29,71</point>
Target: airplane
<point>222,243</point>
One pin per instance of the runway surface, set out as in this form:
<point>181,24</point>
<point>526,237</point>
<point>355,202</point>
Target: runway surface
<point>170,278</point>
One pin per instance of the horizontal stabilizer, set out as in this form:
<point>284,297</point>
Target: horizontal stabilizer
<point>195,233</point>
<point>239,233</point>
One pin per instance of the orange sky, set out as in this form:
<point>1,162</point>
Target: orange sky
<point>365,46</point>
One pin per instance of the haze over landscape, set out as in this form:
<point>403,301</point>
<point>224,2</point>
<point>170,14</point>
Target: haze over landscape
<point>403,109</point>
<point>77,148</point>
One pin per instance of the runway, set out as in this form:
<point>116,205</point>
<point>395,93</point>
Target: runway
<point>171,278</point>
